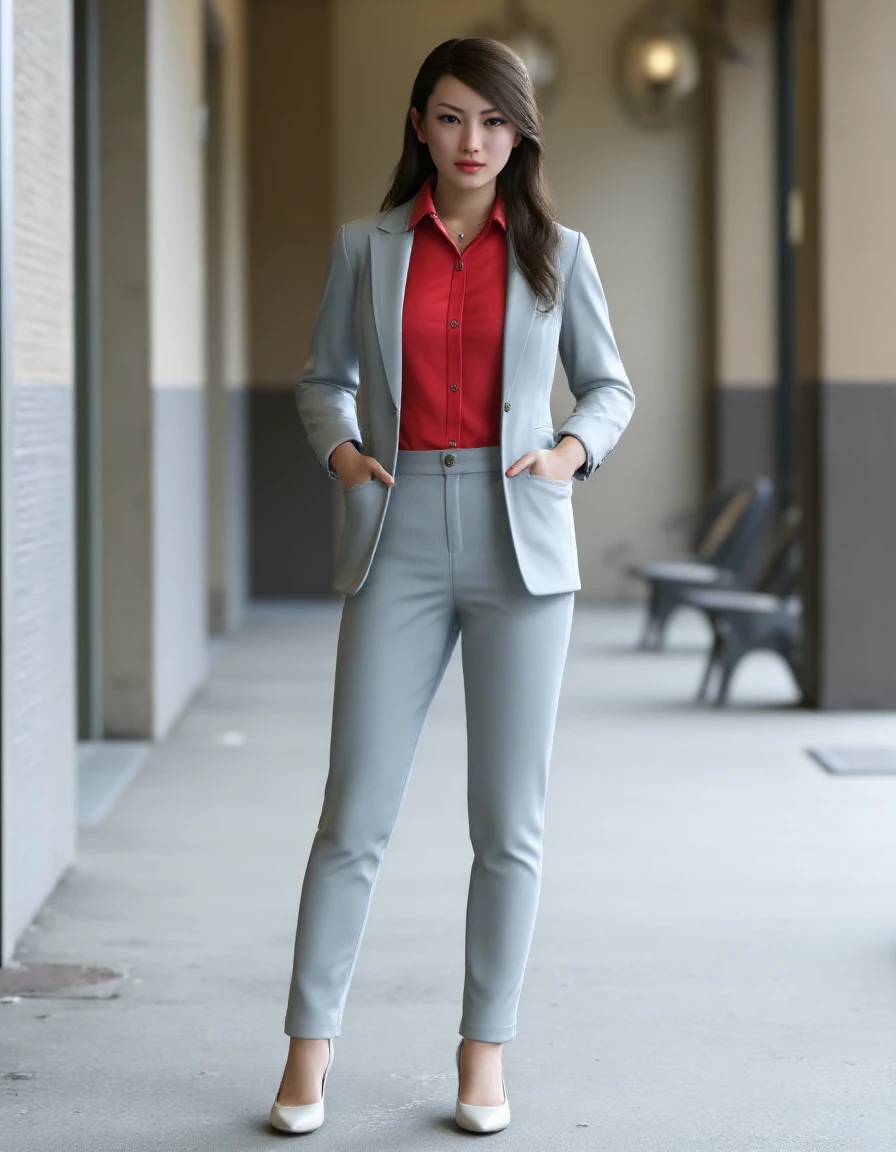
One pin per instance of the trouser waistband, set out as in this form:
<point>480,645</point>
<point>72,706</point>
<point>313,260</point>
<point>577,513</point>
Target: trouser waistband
<point>448,462</point>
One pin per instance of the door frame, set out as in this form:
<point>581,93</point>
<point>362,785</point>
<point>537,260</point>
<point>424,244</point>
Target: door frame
<point>88,409</point>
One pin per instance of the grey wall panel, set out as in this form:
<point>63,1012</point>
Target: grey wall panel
<point>179,553</point>
<point>291,505</point>
<point>857,546</point>
<point>237,505</point>
<point>746,422</point>
<point>40,820</point>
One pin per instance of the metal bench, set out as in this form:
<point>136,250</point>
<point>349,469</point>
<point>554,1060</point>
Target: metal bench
<point>745,621</point>
<point>723,558</point>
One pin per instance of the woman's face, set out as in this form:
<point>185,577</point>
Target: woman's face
<point>461,125</point>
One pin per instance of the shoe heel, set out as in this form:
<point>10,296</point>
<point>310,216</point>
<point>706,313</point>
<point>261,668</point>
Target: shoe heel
<point>296,1118</point>
<point>480,1117</point>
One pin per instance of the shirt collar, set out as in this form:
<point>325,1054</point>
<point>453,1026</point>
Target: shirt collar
<point>424,206</point>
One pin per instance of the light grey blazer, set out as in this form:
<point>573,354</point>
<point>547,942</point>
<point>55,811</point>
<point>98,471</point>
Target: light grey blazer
<point>350,389</point>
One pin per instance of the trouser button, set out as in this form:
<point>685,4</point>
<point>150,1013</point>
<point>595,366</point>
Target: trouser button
<point>450,460</point>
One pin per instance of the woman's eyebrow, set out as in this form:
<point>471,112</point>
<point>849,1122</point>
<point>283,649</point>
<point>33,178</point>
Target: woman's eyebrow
<point>454,108</point>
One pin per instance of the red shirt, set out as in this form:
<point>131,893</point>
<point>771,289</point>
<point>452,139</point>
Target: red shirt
<point>453,332</point>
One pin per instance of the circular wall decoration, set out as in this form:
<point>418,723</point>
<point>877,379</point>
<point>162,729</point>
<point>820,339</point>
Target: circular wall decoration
<point>533,41</point>
<point>658,66</point>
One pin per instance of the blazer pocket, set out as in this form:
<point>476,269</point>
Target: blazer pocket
<point>563,486</point>
<point>544,531</point>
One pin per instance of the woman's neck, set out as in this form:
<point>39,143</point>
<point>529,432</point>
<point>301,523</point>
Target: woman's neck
<point>466,209</point>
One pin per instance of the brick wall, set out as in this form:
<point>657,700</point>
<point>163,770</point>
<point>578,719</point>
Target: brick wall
<point>40,817</point>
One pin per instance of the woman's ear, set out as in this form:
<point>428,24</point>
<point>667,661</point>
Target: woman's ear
<point>418,125</point>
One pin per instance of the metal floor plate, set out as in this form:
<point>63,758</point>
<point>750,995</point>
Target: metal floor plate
<point>55,981</point>
<point>856,761</point>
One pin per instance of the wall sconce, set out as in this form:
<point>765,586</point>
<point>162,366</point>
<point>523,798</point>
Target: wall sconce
<point>533,41</point>
<point>658,66</point>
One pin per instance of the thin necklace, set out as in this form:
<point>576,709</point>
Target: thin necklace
<point>460,235</point>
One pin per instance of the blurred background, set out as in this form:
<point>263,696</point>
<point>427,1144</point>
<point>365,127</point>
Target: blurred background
<point>173,173</point>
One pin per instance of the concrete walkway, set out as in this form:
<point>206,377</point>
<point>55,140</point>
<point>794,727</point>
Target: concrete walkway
<point>713,967</point>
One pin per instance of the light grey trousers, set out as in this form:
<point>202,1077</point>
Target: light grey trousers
<point>444,567</point>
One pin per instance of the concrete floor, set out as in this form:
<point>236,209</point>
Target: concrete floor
<point>713,966</point>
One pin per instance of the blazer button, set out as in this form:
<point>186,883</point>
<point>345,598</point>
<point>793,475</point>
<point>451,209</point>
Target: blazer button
<point>450,460</point>
<point>506,407</point>
<point>394,409</point>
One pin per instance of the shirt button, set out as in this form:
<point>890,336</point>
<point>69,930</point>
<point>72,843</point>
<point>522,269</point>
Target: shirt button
<point>459,265</point>
<point>452,387</point>
<point>506,407</point>
<point>452,443</point>
<point>453,323</point>
<point>450,460</point>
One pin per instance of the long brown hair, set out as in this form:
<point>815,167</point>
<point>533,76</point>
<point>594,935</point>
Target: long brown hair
<point>496,73</point>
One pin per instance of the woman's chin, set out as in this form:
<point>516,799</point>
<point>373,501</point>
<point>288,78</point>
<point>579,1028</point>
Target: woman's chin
<point>464,180</point>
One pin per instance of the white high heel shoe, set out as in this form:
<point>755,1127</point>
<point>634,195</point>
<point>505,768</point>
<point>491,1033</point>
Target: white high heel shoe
<point>481,1117</point>
<point>302,1117</point>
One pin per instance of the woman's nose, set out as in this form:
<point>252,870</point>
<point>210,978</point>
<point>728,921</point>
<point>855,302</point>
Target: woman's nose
<point>470,142</point>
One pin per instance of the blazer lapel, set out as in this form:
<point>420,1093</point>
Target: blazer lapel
<point>389,258</point>
<point>519,313</point>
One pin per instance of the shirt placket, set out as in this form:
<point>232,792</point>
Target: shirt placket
<point>454,357</point>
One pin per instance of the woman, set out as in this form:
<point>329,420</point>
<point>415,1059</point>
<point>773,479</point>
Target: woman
<point>427,396</point>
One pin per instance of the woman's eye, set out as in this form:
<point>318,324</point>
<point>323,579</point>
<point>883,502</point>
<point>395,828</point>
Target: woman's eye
<point>448,116</point>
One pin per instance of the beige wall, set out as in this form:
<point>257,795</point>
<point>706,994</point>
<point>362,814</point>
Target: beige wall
<point>743,155</point>
<point>858,176</point>
<point>636,195</point>
<point>232,17</point>
<point>177,278</point>
<point>292,217</point>
<point>176,191</point>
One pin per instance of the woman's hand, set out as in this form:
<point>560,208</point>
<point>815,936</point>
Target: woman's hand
<point>553,463</point>
<point>352,468</point>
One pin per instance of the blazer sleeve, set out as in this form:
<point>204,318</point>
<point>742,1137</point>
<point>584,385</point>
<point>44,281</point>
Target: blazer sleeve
<point>604,397</point>
<point>328,383</point>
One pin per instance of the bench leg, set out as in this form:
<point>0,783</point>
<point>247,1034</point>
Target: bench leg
<point>647,642</point>
<point>786,647</point>
<point>649,636</point>
<point>733,652</point>
<point>795,665</point>
<point>714,656</point>
<point>662,604</point>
